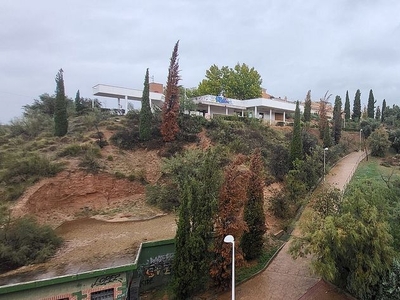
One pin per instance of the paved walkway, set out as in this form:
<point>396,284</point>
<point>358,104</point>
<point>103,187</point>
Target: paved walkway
<point>286,278</point>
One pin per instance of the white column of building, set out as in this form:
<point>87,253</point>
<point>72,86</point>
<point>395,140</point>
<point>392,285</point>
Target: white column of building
<point>284,117</point>
<point>270,117</point>
<point>226,111</point>
<point>255,112</point>
<point>119,103</point>
<point>151,106</point>
<point>126,104</point>
<point>209,110</point>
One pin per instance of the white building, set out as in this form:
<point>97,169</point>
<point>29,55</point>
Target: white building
<point>270,110</point>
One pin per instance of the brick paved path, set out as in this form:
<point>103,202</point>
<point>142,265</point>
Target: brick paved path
<point>289,279</point>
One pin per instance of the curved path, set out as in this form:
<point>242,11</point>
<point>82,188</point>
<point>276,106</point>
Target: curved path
<point>289,279</point>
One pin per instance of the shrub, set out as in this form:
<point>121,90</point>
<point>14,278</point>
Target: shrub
<point>119,175</point>
<point>165,197</point>
<point>19,169</point>
<point>71,150</point>
<point>279,204</point>
<point>23,241</point>
<point>89,161</point>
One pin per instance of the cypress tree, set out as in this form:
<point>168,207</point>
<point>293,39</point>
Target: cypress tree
<point>296,145</point>
<point>357,106</point>
<point>307,107</point>
<point>323,114</point>
<point>169,125</point>
<point>378,114</point>
<point>79,107</point>
<point>371,105</point>
<point>327,139</point>
<point>337,120</point>
<point>231,199</point>
<point>145,112</point>
<point>60,111</point>
<point>347,107</point>
<point>383,110</point>
<point>252,241</point>
<point>198,198</point>
<point>182,271</point>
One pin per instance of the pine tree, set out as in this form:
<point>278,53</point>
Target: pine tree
<point>252,241</point>
<point>371,105</point>
<point>378,114</point>
<point>296,145</point>
<point>337,120</point>
<point>231,199</point>
<point>170,111</point>
<point>357,106</point>
<point>60,111</point>
<point>347,107</point>
<point>307,107</point>
<point>145,112</point>
<point>383,110</point>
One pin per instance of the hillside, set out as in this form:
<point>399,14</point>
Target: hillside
<point>103,215</point>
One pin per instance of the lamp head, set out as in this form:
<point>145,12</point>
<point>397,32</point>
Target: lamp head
<point>229,239</point>
<point>326,149</point>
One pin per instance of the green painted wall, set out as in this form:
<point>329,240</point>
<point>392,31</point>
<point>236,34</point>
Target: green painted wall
<point>151,269</point>
<point>154,265</point>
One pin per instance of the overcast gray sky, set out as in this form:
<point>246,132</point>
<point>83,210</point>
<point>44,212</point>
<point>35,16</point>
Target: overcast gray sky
<point>296,46</point>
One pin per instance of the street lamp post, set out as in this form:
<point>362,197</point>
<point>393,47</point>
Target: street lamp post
<point>360,137</point>
<point>230,239</point>
<point>325,149</point>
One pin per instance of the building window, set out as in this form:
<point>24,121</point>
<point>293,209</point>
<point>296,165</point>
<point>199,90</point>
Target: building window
<point>103,295</point>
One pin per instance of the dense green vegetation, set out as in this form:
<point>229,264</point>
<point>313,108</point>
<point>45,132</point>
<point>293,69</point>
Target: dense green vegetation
<point>23,241</point>
<point>355,239</point>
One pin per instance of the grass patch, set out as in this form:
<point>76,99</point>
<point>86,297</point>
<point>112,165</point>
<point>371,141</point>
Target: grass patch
<point>260,264</point>
<point>373,170</point>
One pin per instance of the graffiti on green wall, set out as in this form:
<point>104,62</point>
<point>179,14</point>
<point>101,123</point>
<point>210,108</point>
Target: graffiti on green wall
<point>156,270</point>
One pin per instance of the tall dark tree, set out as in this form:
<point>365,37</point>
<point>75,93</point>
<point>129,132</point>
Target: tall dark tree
<point>383,110</point>
<point>254,216</point>
<point>60,111</point>
<point>231,198</point>
<point>170,111</point>
<point>307,107</point>
<point>337,120</point>
<point>322,112</point>
<point>79,107</point>
<point>347,106</point>
<point>357,106</point>
<point>199,189</point>
<point>371,105</point>
<point>327,138</point>
<point>145,112</point>
<point>296,145</point>
<point>378,114</point>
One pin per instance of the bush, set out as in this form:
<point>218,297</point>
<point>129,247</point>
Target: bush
<point>279,204</point>
<point>20,169</point>
<point>165,197</point>
<point>24,241</point>
<point>71,150</point>
<point>89,161</point>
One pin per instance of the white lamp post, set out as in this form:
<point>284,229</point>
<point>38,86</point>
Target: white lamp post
<point>325,149</point>
<point>360,138</point>
<point>230,239</point>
